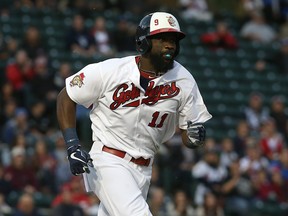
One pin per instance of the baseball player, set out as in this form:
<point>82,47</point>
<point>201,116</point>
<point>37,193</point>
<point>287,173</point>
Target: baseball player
<point>136,103</point>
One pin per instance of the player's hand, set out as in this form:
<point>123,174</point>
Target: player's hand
<point>79,160</point>
<point>196,134</point>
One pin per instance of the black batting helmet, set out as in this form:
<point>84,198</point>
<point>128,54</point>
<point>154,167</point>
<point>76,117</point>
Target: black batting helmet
<point>153,24</point>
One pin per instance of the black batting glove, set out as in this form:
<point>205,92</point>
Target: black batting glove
<point>79,160</point>
<point>196,134</point>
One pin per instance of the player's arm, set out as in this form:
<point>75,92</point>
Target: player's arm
<point>66,115</point>
<point>66,111</point>
<point>194,136</point>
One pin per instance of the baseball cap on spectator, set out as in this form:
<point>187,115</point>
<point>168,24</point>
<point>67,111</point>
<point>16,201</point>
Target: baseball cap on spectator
<point>21,112</point>
<point>17,151</point>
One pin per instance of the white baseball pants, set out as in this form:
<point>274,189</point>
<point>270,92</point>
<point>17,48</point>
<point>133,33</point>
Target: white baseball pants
<point>121,186</point>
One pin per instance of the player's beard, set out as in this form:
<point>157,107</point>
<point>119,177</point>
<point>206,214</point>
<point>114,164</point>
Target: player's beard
<point>159,63</point>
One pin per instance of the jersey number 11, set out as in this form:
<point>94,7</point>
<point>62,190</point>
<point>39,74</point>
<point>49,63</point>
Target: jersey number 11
<point>155,117</point>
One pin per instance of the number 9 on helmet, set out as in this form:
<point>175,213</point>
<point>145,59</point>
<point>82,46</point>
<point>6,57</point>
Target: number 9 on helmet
<point>153,24</point>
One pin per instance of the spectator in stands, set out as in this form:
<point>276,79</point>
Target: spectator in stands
<point>210,207</point>
<point>16,125</point>
<point>67,207</point>
<point>102,37</point>
<point>32,43</point>
<point>257,29</point>
<point>26,206</point>
<point>7,94</point>
<point>123,36</point>
<point>238,191</point>
<point>157,201</point>
<point>42,87</point>
<point>221,38</point>
<point>78,38</point>
<point>61,74</point>
<point>21,141</point>
<point>270,189</point>
<point>76,192</point>
<point>18,73</point>
<point>195,9</point>
<point>8,48</point>
<point>277,59</point>
<point>44,166</point>
<point>255,113</point>
<point>279,186</point>
<point>7,111</point>
<point>19,173</point>
<point>20,70</point>
<point>227,155</point>
<point>209,174</point>
<point>281,165</point>
<point>39,121</point>
<point>253,161</point>
<point>180,205</point>
<point>211,144</point>
<point>271,141</point>
<point>12,47</point>
<point>179,160</point>
<point>241,138</point>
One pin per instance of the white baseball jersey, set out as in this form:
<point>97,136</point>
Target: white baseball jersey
<point>126,117</point>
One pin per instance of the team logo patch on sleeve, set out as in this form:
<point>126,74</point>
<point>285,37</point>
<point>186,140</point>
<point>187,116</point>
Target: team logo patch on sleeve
<point>77,80</point>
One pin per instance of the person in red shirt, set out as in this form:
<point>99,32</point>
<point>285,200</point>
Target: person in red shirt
<point>18,72</point>
<point>20,175</point>
<point>271,142</point>
<point>77,194</point>
<point>271,186</point>
<point>220,38</point>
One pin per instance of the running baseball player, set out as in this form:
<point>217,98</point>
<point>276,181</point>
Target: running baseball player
<point>136,104</point>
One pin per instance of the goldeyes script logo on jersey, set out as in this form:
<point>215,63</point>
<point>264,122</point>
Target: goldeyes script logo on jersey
<point>123,94</point>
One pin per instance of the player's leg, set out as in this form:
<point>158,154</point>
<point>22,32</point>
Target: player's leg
<point>119,185</point>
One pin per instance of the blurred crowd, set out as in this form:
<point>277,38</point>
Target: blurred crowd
<point>234,175</point>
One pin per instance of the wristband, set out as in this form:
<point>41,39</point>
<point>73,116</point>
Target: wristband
<point>70,137</point>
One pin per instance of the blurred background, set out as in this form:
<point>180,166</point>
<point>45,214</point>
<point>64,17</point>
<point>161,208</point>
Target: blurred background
<point>236,50</point>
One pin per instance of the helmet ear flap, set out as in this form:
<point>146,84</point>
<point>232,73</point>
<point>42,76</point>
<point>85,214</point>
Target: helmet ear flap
<point>144,45</point>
